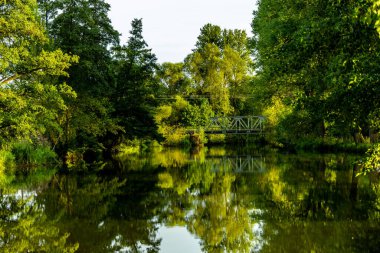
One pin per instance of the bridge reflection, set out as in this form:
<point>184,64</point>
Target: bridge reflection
<point>237,164</point>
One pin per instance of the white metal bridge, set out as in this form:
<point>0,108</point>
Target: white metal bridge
<point>235,125</point>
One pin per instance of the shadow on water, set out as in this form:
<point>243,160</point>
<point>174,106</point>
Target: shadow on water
<point>216,200</point>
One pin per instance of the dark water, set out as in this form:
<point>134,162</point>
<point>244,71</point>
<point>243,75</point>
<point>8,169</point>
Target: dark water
<point>212,200</point>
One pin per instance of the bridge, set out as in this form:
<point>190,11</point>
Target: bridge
<point>234,125</point>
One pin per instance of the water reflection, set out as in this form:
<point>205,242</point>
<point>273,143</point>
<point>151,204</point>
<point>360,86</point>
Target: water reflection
<point>210,204</point>
<point>24,226</point>
<point>216,200</point>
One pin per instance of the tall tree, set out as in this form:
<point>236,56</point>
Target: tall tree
<point>174,79</point>
<point>48,10</point>
<point>220,67</point>
<point>136,83</point>
<point>83,28</point>
<point>317,58</point>
<point>30,104</point>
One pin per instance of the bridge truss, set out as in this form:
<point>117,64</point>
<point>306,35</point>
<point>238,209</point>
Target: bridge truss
<point>236,125</point>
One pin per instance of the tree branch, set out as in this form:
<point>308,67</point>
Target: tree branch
<point>18,75</point>
<point>9,79</point>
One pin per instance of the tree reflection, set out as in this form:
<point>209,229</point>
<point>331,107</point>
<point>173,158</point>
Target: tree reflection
<point>313,202</point>
<point>209,203</point>
<point>292,204</point>
<point>221,219</point>
<point>109,211</point>
<point>299,199</point>
<point>25,228</point>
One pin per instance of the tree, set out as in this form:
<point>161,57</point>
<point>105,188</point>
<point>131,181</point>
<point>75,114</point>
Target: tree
<point>317,59</point>
<point>220,67</point>
<point>136,84</point>
<point>25,227</point>
<point>30,102</point>
<point>84,28</point>
<point>48,10</point>
<point>174,79</point>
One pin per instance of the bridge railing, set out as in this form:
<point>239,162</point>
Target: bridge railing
<point>237,124</point>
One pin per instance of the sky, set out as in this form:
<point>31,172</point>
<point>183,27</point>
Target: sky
<point>171,27</point>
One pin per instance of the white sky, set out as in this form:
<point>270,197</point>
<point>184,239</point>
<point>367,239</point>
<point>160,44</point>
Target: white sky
<point>171,27</point>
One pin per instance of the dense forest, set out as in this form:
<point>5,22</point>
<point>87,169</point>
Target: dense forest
<point>68,87</point>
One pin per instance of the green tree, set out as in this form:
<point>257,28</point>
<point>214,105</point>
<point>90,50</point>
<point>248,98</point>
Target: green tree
<point>316,58</point>
<point>136,84</point>
<point>84,28</point>
<point>24,227</point>
<point>48,10</point>
<point>174,79</point>
<point>220,67</point>
<point>30,103</point>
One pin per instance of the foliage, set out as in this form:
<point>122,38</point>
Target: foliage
<point>22,41</point>
<point>25,227</point>
<point>136,84</point>
<point>33,154</point>
<point>174,79</point>
<point>168,119</point>
<point>275,113</point>
<point>371,163</point>
<point>318,58</point>
<point>128,148</point>
<point>220,67</point>
<point>30,102</point>
<point>197,114</point>
<point>7,160</point>
<point>174,135</point>
<point>7,167</point>
<point>86,120</point>
<point>84,28</point>
<point>372,14</point>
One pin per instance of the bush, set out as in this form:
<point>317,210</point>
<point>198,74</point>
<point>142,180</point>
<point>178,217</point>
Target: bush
<point>74,159</point>
<point>33,155</point>
<point>197,115</point>
<point>7,165</point>
<point>7,161</point>
<point>174,136</point>
<point>216,138</point>
<point>173,119</point>
<point>128,148</point>
<point>372,161</point>
<point>328,144</point>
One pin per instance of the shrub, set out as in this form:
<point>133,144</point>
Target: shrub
<point>372,161</point>
<point>216,138</point>
<point>174,135</point>
<point>74,159</point>
<point>128,148</point>
<point>7,165</point>
<point>33,155</point>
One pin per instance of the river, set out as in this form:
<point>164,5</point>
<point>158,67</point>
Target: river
<point>207,200</point>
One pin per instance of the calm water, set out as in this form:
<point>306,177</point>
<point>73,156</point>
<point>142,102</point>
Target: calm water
<point>209,200</point>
